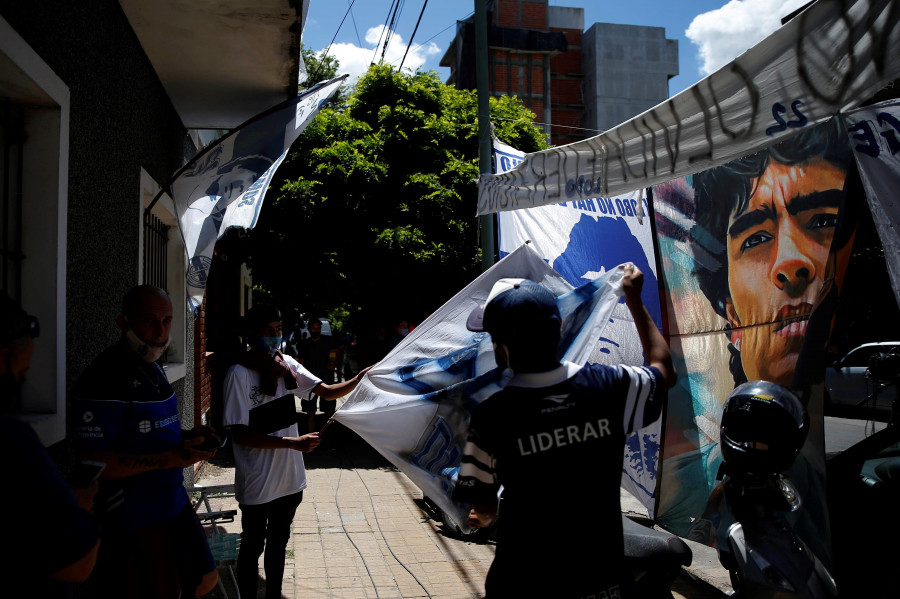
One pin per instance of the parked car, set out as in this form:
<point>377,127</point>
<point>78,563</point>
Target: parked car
<point>851,386</point>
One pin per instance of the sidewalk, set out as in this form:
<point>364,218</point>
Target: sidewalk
<point>364,531</point>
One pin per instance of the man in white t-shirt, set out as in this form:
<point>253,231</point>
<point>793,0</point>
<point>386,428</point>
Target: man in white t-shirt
<point>269,471</point>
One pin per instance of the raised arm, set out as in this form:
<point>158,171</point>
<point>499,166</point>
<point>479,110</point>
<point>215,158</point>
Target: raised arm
<point>656,350</point>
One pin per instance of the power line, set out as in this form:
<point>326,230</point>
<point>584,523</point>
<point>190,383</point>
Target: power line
<point>392,27</point>
<point>353,18</point>
<point>386,30</point>
<point>453,24</point>
<point>416,28</point>
<point>325,54</point>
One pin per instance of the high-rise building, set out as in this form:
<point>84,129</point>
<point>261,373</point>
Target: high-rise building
<point>578,83</point>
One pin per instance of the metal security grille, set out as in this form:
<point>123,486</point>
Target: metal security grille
<point>156,240</point>
<point>12,134</point>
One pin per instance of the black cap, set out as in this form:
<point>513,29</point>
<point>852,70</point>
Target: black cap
<point>514,304</point>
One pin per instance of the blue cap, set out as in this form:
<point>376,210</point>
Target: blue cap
<point>514,304</point>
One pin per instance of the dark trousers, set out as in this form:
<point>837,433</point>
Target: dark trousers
<point>265,526</point>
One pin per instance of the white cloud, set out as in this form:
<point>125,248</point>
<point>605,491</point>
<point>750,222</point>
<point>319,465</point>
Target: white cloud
<point>721,35</point>
<point>356,60</point>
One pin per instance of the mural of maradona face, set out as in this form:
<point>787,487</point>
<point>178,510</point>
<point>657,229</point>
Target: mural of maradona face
<point>768,222</point>
<point>777,251</point>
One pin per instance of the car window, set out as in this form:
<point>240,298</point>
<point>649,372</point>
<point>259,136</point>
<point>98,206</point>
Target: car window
<point>860,356</point>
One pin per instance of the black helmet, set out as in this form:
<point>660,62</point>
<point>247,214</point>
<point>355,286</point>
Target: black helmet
<point>763,428</point>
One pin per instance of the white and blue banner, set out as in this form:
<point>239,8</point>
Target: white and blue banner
<point>414,406</point>
<point>583,238</point>
<point>875,138</point>
<point>224,186</point>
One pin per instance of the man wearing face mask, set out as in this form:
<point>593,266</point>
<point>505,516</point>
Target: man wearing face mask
<point>269,472</point>
<point>125,414</point>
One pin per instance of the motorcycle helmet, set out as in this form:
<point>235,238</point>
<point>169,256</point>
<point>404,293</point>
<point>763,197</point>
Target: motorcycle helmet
<point>763,428</point>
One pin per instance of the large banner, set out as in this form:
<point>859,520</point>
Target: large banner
<point>224,186</point>
<point>875,139</point>
<point>750,252</point>
<point>828,59</point>
<point>581,240</point>
<point>414,406</point>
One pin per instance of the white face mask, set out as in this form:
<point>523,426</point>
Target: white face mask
<point>148,353</point>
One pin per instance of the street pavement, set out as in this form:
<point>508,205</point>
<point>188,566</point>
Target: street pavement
<point>365,531</point>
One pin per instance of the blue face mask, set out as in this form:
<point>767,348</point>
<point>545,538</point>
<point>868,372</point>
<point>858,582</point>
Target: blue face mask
<point>267,344</point>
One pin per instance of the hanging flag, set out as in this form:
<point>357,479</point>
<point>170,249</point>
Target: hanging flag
<point>580,240</point>
<point>826,60</point>
<point>414,406</point>
<point>875,139</point>
<point>224,186</point>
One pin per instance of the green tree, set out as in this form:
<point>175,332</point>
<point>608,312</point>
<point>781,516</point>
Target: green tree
<point>320,69</point>
<point>375,213</point>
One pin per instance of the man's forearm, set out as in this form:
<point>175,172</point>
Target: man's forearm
<point>244,436</point>
<point>123,465</point>
<point>336,390</point>
<point>656,350</point>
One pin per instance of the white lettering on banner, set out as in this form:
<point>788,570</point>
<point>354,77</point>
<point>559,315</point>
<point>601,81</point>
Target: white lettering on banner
<point>560,437</point>
<point>609,206</point>
<point>828,59</point>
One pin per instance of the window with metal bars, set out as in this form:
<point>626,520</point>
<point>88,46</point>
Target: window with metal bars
<point>156,263</point>
<point>156,240</point>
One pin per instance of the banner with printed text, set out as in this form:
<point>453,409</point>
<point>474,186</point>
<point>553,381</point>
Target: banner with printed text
<point>582,239</point>
<point>875,138</point>
<point>224,186</point>
<point>826,60</point>
<point>751,257</point>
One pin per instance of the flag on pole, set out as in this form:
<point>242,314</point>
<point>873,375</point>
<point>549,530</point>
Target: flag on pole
<point>224,186</point>
<point>414,406</point>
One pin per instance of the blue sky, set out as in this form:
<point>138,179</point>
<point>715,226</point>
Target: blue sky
<point>709,32</point>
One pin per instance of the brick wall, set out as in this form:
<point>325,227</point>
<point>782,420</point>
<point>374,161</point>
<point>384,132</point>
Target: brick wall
<point>534,15</point>
<point>203,375</point>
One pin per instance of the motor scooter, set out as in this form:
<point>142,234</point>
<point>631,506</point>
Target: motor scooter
<point>762,430</point>
<point>863,495</point>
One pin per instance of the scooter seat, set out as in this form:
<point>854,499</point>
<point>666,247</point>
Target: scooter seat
<point>644,543</point>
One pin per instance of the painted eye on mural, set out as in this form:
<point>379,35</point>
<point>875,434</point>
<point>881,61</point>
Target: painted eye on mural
<point>755,239</point>
<point>823,220</point>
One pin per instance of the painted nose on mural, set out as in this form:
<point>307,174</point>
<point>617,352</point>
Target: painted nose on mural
<point>793,269</point>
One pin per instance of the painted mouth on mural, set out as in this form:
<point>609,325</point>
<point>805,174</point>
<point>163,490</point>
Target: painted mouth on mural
<point>792,320</point>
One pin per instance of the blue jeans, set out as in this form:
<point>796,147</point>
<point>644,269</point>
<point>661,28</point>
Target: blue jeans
<point>265,526</point>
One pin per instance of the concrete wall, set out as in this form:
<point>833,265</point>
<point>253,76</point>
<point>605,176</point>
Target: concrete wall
<point>565,17</point>
<point>627,70</point>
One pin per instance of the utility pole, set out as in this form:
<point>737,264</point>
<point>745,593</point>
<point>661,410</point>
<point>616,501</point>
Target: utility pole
<point>486,221</point>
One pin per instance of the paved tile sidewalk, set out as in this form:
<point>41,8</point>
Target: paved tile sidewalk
<point>371,522</point>
<point>364,531</point>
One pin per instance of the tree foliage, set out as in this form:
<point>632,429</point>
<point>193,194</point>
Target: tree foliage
<point>373,212</point>
<point>322,68</point>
